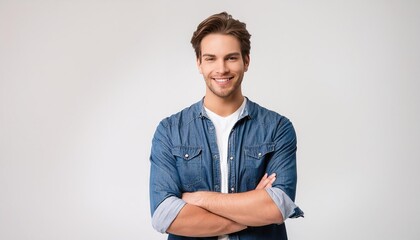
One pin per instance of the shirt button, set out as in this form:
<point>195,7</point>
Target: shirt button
<point>232,189</point>
<point>186,155</point>
<point>231,158</point>
<point>259,154</point>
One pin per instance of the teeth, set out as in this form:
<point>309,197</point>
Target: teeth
<point>221,80</point>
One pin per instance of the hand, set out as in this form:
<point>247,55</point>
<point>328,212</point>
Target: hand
<point>198,198</point>
<point>266,181</point>
<point>193,197</point>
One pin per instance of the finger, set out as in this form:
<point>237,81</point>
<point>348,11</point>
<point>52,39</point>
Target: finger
<point>265,176</point>
<point>264,180</point>
<point>267,182</point>
<point>269,185</point>
<point>271,179</point>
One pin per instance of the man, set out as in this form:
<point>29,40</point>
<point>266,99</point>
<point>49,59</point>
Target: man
<point>225,167</point>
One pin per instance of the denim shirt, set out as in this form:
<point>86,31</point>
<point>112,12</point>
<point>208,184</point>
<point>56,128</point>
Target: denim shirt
<point>185,158</point>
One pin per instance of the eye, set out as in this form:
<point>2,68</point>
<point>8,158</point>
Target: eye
<point>232,58</point>
<point>209,59</point>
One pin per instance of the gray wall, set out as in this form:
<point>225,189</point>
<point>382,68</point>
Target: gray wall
<point>83,84</point>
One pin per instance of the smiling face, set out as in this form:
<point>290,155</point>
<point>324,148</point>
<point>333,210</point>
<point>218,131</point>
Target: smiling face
<point>222,66</point>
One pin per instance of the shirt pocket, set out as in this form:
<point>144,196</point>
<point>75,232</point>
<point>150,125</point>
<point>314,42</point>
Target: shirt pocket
<point>256,156</point>
<point>188,162</point>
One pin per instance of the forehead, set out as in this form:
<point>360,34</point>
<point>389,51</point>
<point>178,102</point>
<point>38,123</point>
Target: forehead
<point>220,44</point>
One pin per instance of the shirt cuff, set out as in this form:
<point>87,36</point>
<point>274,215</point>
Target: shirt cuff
<point>287,207</point>
<point>166,213</point>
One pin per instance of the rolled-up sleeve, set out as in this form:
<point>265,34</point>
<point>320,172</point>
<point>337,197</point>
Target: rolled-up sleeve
<point>286,206</point>
<point>165,193</point>
<point>166,213</point>
<point>283,163</point>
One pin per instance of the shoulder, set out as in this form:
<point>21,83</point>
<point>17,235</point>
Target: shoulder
<point>266,116</point>
<point>273,126</point>
<point>182,117</point>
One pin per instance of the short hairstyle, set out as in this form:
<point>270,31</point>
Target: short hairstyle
<point>222,23</point>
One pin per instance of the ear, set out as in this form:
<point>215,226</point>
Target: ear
<point>198,61</point>
<point>247,59</point>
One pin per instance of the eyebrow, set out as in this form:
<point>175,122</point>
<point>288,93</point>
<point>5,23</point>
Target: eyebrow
<point>227,55</point>
<point>208,55</point>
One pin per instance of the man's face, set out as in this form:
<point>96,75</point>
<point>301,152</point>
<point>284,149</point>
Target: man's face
<point>222,66</point>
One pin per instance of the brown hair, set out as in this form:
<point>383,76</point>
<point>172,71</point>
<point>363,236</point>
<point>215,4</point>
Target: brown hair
<point>222,23</point>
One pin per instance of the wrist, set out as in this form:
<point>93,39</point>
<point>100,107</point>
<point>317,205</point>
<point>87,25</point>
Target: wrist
<point>208,199</point>
<point>203,199</point>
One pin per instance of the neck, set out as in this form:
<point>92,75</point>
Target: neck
<point>223,106</point>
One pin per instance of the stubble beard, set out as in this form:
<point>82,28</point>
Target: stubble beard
<point>225,92</point>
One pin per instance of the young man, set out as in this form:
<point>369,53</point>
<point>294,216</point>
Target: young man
<point>225,167</point>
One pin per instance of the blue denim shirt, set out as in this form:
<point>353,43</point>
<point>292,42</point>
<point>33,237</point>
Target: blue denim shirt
<point>185,158</point>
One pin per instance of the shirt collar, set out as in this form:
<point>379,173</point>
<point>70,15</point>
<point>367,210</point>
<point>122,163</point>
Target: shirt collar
<point>245,112</point>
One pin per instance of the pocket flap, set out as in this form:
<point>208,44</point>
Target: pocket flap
<point>259,151</point>
<point>186,152</point>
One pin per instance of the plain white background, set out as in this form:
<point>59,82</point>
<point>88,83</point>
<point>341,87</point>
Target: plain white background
<point>83,85</point>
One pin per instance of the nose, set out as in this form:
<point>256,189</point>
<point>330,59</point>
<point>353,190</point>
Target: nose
<point>222,67</point>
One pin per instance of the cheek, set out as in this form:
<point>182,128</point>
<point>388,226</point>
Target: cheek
<point>240,69</point>
<point>204,70</point>
<point>200,69</point>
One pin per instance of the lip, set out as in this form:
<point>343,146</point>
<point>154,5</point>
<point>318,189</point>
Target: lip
<point>222,80</point>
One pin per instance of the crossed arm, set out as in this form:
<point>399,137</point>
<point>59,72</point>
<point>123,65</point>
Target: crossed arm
<point>213,214</point>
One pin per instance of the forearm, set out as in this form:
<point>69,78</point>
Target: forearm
<point>253,208</point>
<point>194,221</point>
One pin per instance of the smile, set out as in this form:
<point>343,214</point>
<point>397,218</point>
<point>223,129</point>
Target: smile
<point>222,80</point>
